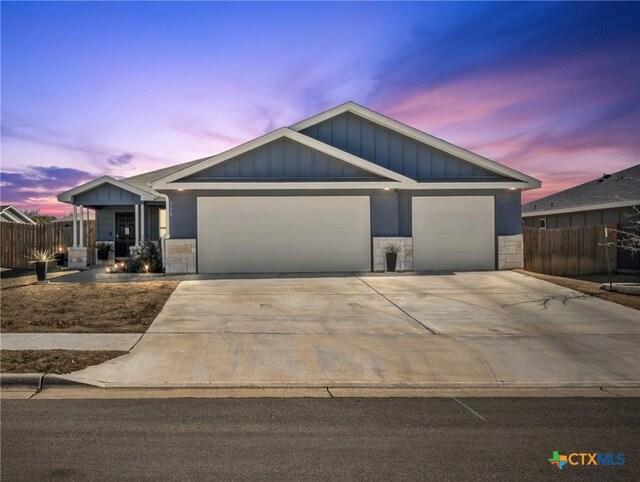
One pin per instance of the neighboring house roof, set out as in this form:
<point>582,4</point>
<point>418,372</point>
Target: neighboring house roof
<point>69,218</point>
<point>619,189</point>
<point>10,214</point>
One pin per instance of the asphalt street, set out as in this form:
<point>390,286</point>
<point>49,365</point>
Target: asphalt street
<point>317,439</point>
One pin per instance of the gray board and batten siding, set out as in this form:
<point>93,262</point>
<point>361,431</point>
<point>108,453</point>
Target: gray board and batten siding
<point>395,151</point>
<point>283,160</point>
<point>106,195</point>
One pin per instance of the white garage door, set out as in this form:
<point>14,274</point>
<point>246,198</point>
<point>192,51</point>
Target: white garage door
<point>453,233</point>
<point>283,234</point>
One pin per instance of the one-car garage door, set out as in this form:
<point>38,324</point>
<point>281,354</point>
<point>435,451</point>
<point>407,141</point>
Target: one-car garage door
<point>453,233</point>
<point>283,234</point>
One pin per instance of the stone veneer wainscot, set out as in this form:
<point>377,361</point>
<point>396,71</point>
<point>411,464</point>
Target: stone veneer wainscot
<point>180,255</point>
<point>405,256</point>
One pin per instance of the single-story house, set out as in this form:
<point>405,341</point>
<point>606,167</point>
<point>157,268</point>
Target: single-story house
<point>327,194</point>
<point>610,199</point>
<point>10,214</point>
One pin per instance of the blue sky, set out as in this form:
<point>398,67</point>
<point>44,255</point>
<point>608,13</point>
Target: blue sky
<point>120,88</point>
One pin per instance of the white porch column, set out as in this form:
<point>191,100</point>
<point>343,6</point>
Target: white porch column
<point>137,223</point>
<point>81,227</point>
<point>142,223</point>
<point>75,226</point>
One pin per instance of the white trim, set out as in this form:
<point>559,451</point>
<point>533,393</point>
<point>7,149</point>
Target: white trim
<point>12,217</point>
<point>282,133</point>
<point>167,207</point>
<point>81,226</point>
<point>419,136</point>
<point>593,207</point>
<point>67,196</point>
<point>17,216</point>
<point>270,186</point>
<point>142,223</point>
<point>75,226</point>
<point>136,222</point>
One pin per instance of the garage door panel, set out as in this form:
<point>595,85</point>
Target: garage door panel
<point>456,224</point>
<point>450,244</point>
<point>449,205</point>
<point>453,232</point>
<point>461,262</point>
<point>275,234</point>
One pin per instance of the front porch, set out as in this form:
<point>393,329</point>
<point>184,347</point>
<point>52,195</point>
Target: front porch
<point>125,217</point>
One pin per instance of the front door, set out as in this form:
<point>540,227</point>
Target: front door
<point>125,233</point>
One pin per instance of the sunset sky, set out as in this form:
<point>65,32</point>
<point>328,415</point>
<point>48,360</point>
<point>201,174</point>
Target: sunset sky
<point>121,88</point>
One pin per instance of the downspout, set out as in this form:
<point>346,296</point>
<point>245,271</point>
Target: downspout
<point>167,207</point>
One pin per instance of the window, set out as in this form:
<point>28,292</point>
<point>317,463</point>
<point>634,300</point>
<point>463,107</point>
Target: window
<point>542,223</point>
<point>162,222</point>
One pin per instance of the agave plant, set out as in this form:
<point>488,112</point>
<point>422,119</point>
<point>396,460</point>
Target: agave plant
<point>393,249</point>
<point>41,255</point>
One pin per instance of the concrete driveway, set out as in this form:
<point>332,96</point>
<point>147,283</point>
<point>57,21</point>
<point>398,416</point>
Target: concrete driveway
<point>460,329</point>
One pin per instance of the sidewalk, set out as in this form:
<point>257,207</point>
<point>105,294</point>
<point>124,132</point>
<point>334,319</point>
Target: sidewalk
<point>69,341</point>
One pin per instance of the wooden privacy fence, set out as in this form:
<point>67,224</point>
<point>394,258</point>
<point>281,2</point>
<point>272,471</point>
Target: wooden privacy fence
<point>569,251</point>
<point>18,239</point>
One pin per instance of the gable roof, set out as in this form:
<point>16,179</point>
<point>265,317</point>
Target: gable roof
<point>172,181</point>
<point>415,134</point>
<point>143,181</point>
<point>13,215</point>
<point>146,194</point>
<point>619,189</point>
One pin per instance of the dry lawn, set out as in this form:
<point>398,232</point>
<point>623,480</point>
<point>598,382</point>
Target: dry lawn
<point>83,307</point>
<point>52,361</point>
<point>589,287</point>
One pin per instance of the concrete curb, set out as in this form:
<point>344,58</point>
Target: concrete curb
<point>12,380</point>
<point>357,385</point>
<point>36,381</point>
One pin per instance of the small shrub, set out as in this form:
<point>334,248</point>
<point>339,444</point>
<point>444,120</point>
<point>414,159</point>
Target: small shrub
<point>145,258</point>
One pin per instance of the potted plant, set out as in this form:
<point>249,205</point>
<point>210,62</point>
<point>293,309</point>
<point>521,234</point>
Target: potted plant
<point>391,253</point>
<point>41,258</point>
<point>103,248</point>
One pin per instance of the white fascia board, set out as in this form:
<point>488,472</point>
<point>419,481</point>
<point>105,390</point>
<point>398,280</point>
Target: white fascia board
<point>11,217</point>
<point>169,182</point>
<point>270,186</point>
<point>593,207</point>
<point>17,216</point>
<point>67,196</point>
<point>419,136</point>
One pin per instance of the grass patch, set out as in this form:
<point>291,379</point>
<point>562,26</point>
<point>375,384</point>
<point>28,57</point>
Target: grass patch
<point>590,286</point>
<point>52,361</point>
<point>83,307</point>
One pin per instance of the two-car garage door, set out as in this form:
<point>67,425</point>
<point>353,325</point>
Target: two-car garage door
<point>284,234</point>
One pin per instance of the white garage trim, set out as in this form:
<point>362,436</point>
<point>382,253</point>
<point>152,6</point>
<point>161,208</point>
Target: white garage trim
<point>453,232</point>
<point>263,234</point>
